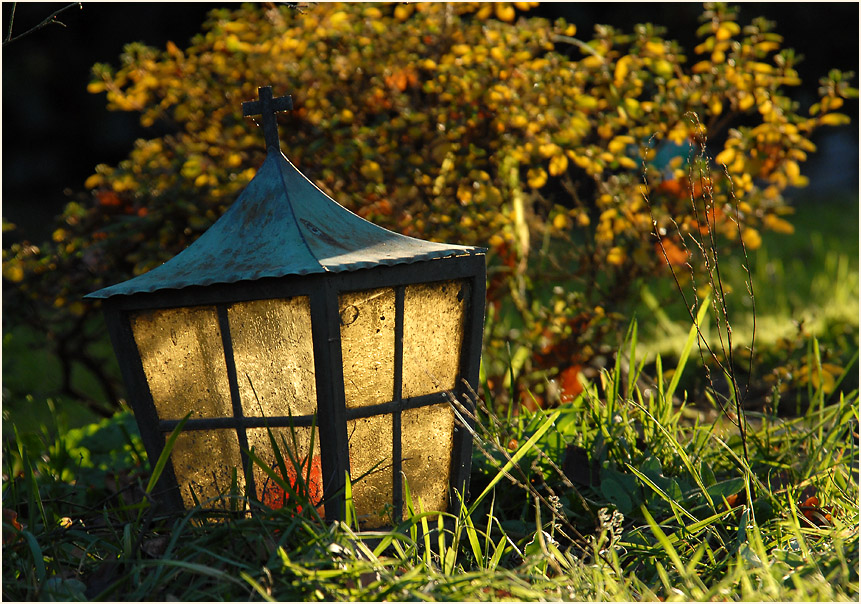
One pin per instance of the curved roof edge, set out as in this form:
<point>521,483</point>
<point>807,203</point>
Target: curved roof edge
<point>282,224</point>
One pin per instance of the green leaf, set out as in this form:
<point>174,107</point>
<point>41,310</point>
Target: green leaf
<point>620,489</point>
<point>36,553</point>
<point>673,498</point>
<point>704,29</point>
<point>707,474</point>
<point>651,466</point>
<point>725,488</point>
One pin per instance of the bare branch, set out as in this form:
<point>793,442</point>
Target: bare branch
<point>52,19</point>
<point>578,43</point>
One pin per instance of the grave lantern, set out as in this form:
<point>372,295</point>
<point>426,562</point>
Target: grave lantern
<point>294,315</point>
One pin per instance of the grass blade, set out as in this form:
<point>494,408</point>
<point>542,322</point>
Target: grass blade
<point>545,425</point>
<point>165,454</point>
<point>497,553</point>
<point>256,586</point>
<point>664,541</point>
<point>471,532</point>
<point>686,351</point>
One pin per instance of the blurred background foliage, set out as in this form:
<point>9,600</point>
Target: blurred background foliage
<point>558,149</point>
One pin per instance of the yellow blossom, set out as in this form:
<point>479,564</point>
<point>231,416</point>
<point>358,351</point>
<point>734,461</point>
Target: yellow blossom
<point>616,256</point>
<point>751,237</point>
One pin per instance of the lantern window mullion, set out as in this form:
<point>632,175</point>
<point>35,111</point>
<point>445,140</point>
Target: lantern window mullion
<point>397,397</point>
<point>235,400</point>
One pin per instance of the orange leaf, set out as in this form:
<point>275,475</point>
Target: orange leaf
<point>675,255</point>
<point>819,516</point>
<point>401,79</point>
<point>10,517</point>
<point>736,499</point>
<point>108,198</point>
<point>679,188</point>
<point>569,383</point>
<point>811,501</point>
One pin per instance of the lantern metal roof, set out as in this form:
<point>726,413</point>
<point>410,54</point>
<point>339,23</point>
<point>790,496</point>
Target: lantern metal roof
<point>282,224</point>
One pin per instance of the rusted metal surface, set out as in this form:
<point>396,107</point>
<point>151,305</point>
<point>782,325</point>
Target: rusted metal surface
<point>282,224</point>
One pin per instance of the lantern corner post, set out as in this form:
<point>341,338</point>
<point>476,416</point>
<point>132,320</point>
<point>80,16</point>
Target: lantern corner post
<point>468,389</point>
<point>166,492</point>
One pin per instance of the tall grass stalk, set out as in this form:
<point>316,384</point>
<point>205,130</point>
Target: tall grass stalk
<point>703,240</point>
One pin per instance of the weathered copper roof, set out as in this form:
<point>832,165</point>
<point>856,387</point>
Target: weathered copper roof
<point>282,224</point>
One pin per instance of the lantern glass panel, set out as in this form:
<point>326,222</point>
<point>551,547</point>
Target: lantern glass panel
<point>433,336</point>
<point>368,346</point>
<point>371,451</point>
<point>298,442</point>
<point>183,358</point>
<point>427,434</point>
<point>274,355</point>
<point>206,461</point>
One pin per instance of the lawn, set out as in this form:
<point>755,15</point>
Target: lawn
<point>636,490</point>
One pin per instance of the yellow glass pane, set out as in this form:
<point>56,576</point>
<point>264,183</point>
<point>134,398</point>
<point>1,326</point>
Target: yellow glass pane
<point>204,461</point>
<point>426,442</point>
<point>371,451</point>
<point>368,346</point>
<point>298,442</point>
<point>274,355</point>
<point>183,359</point>
<point>433,336</point>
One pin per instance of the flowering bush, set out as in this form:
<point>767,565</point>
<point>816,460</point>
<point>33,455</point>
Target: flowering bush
<point>466,122</point>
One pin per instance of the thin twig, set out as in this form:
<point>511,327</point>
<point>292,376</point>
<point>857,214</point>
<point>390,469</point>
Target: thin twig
<point>693,308</point>
<point>748,281</point>
<point>578,43</point>
<point>11,20</point>
<point>717,286</point>
<point>52,19</point>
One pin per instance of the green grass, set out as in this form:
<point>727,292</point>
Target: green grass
<point>807,279</point>
<point>653,506</point>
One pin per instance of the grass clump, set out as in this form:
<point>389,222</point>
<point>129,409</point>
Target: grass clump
<point>619,495</point>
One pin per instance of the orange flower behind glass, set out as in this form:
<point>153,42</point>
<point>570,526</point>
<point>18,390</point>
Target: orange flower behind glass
<point>274,497</point>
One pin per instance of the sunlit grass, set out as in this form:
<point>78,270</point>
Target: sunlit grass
<point>654,506</point>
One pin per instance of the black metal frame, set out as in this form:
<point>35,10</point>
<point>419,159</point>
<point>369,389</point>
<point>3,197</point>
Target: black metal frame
<point>323,291</point>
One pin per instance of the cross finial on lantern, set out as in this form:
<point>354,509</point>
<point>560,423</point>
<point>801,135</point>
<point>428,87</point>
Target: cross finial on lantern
<point>267,107</point>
